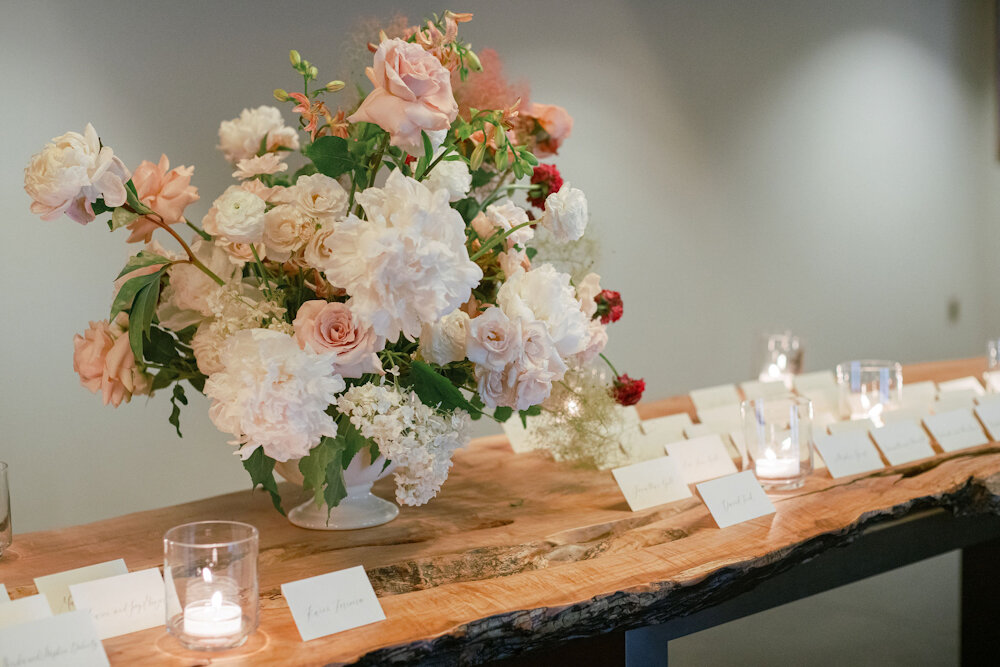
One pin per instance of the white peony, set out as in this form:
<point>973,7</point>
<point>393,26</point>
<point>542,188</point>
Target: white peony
<point>272,394</point>
<point>240,138</point>
<point>237,215</point>
<point>506,215</point>
<point>450,175</point>
<point>407,264</point>
<point>547,295</point>
<point>444,341</point>
<point>71,173</point>
<point>286,229</point>
<point>566,214</point>
<point>318,196</point>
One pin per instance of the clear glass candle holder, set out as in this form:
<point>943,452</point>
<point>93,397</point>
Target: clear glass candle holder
<point>778,356</point>
<point>869,388</point>
<point>6,532</point>
<point>778,433</point>
<point>210,574</point>
<point>991,378</point>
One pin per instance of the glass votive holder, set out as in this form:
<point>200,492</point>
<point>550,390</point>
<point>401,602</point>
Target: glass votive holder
<point>210,574</point>
<point>869,388</point>
<point>6,532</point>
<point>778,356</point>
<point>991,378</point>
<point>778,434</point>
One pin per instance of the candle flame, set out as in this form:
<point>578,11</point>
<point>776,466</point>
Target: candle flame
<point>217,600</point>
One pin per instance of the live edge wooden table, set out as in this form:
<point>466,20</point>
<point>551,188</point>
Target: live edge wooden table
<point>522,559</point>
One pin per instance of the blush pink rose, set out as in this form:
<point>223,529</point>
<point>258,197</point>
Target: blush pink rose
<point>557,124</point>
<point>329,327</point>
<point>103,359</point>
<point>412,93</point>
<point>167,191</point>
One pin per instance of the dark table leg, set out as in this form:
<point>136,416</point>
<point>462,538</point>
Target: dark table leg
<point>980,603</point>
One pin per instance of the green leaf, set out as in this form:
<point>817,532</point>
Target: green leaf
<point>331,156</point>
<point>261,469</point>
<point>132,200</point>
<point>198,382</point>
<point>533,411</point>
<point>176,400</point>
<point>503,413</point>
<point>336,488</point>
<point>99,207</point>
<point>141,259</point>
<point>163,379</point>
<point>353,441</point>
<point>120,217</point>
<point>481,177</point>
<point>313,467</point>
<point>305,170</point>
<point>531,252</point>
<point>140,317</point>
<point>435,390</point>
<point>160,347</point>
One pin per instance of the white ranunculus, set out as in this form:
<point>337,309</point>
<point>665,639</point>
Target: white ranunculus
<point>494,340</point>
<point>547,295</point>
<point>566,214</point>
<point>405,265</point>
<point>237,215</point>
<point>444,341</point>
<point>587,292</point>
<point>506,215</point>
<point>450,175</point>
<point>286,229</point>
<point>240,138</point>
<point>71,173</point>
<point>272,394</point>
<point>319,197</point>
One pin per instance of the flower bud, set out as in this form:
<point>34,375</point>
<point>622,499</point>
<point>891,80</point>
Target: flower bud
<point>473,61</point>
<point>334,86</point>
<point>294,56</point>
<point>313,72</point>
<point>280,95</point>
<point>476,159</point>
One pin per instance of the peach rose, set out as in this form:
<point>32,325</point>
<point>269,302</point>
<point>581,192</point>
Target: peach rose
<point>412,93</point>
<point>167,191</point>
<point>556,122</point>
<point>329,327</point>
<point>103,359</point>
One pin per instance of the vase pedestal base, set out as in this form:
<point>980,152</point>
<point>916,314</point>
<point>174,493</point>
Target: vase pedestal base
<point>357,510</point>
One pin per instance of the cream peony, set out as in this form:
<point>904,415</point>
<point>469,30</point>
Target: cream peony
<point>329,327</point>
<point>494,341</point>
<point>272,394</point>
<point>237,215</point>
<point>566,214</point>
<point>547,295</point>
<point>407,264</point>
<point>240,138</point>
<point>412,94</point>
<point>318,196</point>
<point>444,341</point>
<point>450,175</point>
<point>71,173</point>
<point>286,229</point>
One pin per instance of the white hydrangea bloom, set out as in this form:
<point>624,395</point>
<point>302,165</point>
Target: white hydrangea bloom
<point>450,175</point>
<point>407,264</point>
<point>240,138</point>
<point>272,394</point>
<point>566,214</point>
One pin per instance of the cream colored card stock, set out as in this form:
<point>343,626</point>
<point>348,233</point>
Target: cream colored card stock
<point>651,483</point>
<point>851,426</point>
<point>124,603</point>
<point>989,414</point>
<point>848,453</point>
<point>903,441</point>
<point>807,382</point>
<point>714,397</point>
<point>758,389</point>
<point>24,609</point>
<point>332,602</point>
<point>967,383</point>
<point>66,640</point>
<point>957,429</point>
<point>56,586</point>
<point>3,594</point>
<point>701,458</point>
<point>735,498</point>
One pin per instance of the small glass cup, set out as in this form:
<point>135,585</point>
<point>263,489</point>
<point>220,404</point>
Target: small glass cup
<point>6,532</point>
<point>991,378</point>
<point>869,388</point>
<point>778,356</point>
<point>210,574</point>
<point>778,433</point>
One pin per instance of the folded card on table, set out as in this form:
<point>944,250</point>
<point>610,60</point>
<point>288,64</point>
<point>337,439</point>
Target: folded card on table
<point>957,429</point>
<point>816,380</point>
<point>918,393</point>
<point>823,399</point>
<point>654,482</point>
<point>848,453</point>
<point>954,400</point>
<point>3,594</point>
<point>22,610</point>
<point>332,602</point>
<point>701,458</point>
<point>903,441</point>
<point>915,414</point>
<point>654,433</point>
<point>735,498</point>
<point>989,414</point>
<point>758,389</point>
<point>56,586</point>
<point>124,603</point>
<point>992,379</point>
<point>724,418</point>
<point>966,383</point>
<point>851,426</point>
<point>66,640</point>
<point>713,397</point>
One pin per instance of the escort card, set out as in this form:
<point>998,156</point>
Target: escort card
<point>713,397</point>
<point>851,426</point>
<point>723,418</point>
<point>56,586</point>
<point>816,380</point>
<point>848,453</point>
<point>332,602</point>
<point>739,441</point>
<point>124,603</point>
<point>701,458</point>
<point>914,414</point>
<point>989,414</point>
<point>3,594</point>
<point>651,483</point>
<point>735,498</point>
<point>903,441</point>
<point>758,389</point>
<point>955,430</point>
<point>992,379</point>
<point>970,383</point>
<point>67,640</point>
<point>666,429</point>
<point>989,399</point>
<point>919,392</point>
<point>824,399</point>
<point>954,400</point>
<point>22,610</point>
<point>698,431</point>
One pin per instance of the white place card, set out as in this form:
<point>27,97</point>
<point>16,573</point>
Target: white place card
<point>3,594</point>
<point>701,458</point>
<point>332,602</point>
<point>759,389</point>
<point>723,418</point>
<point>919,392</point>
<point>739,441</point>
<point>989,399</point>
<point>822,420</point>
<point>955,430</point>
<point>735,498</point>
<point>903,441</point>
<point>851,426</point>
<point>824,399</point>
<point>967,383</point>
<point>713,397</point>
<point>954,400</point>
<point>816,380</point>
<point>905,414</point>
<point>124,603</point>
<point>56,586</point>
<point>67,640</point>
<point>651,483</point>
<point>698,431</point>
<point>24,609</point>
<point>992,379</point>
<point>848,453</point>
<point>989,414</point>
<point>654,433</point>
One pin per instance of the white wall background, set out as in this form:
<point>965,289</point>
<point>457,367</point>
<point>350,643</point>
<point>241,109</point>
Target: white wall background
<point>829,167</point>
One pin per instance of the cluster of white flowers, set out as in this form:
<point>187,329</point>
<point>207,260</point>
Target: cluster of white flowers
<point>240,138</point>
<point>566,214</point>
<point>273,394</point>
<point>232,308</point>
<point>418,439</point>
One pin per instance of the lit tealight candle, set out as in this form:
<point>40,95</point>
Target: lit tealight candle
<point>213,618</point>
<point>771,466</point>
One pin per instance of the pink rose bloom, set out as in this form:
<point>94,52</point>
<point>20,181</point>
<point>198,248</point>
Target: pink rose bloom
<point>328,327</point>
<point>104,361</point>
<point>412,93</point>
<point>556,122</point>
<point>167,191</point>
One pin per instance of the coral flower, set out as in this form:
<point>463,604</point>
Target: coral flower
<point>311,112</point>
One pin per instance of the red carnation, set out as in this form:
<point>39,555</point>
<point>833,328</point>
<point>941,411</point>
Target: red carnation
<point>628,391</point>
<point>609,306</point>
<point>547,177</point>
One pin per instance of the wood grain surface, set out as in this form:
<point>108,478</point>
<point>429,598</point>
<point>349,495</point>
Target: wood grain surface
<point>517,552</point>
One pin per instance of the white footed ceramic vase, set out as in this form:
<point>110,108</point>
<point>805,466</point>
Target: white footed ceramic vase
<point>360,509</point>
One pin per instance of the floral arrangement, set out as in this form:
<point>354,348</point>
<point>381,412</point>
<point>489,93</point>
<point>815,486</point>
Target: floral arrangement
<point>378,297</point>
